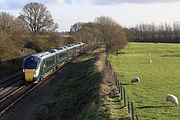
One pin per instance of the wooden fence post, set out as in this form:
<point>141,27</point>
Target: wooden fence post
<point>136,116</point>
<point>124,91</point>
<point>120,89</point>
<point>118,86</point>
<point>132,110</point>
<point>129,108</point>
<point>117,80</point>
<point>116,77</point>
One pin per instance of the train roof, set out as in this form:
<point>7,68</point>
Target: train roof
<point>61,49</point>
<point>45,54</point>
<point>70,46</point>
<point>80,43</point>
<point>40,54</point>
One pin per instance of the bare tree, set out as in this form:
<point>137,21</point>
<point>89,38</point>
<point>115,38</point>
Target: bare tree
<point>111,33</point>
<point>6,21</point>
<point>104,30</point>
<point>20,33</point>
<point>76,27</point>
<point>86,32</point>
<point>38,18</point>
<point>156,33</point>
<point>7,48</point>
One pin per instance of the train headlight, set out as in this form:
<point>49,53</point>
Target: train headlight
<point>36,73</point>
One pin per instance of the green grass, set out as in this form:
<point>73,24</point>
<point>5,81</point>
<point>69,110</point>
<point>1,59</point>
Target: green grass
<point>158,79</point>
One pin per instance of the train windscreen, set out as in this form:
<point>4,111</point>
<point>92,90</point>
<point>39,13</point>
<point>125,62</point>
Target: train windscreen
<point>31,62</point>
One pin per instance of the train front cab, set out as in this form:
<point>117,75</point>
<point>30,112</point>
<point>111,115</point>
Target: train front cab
<point>31,69</point>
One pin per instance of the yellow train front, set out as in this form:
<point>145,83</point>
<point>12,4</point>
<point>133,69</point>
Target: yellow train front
<point>37,66</point>
<point>31,69</point>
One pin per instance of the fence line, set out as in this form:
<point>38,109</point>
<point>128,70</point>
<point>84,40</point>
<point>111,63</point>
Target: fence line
<point>132,110</point>
<point>122,92</point>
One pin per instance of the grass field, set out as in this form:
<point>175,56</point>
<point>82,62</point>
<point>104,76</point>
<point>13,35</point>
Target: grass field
<point>158,79</point>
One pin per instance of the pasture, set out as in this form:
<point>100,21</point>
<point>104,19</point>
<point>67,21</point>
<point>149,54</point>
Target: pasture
<point>157,79</point>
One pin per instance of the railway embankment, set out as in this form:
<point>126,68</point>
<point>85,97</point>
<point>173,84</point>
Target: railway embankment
<point>83,94</point>
<point>81,90</point>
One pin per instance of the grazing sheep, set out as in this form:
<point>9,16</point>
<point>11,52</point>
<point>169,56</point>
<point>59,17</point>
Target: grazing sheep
<point>173,99</point>
<point>135,80</point>
<point>150,61</point>
<point>149,54</point>
<point>133,51</point>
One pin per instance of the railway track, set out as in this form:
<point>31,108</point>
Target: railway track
<point>19,90</point>
<point>10,85</point>
<point>19,74</point>
<point>9,99</point>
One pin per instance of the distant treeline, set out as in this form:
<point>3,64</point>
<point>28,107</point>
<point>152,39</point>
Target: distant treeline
<point>104,30</point>
<point>164,33</point>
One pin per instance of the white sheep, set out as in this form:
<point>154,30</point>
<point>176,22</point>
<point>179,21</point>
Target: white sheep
<point>135,80</point>
<point>133,51</point>
<point>149,54</point>
<point>173,99</point>
<point>150,61</point>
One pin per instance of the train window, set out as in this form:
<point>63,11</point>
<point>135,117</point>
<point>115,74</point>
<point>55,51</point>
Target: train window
<point>31,62</point>
<point>62,56</point>
<point>60,48</point>
<point>50,61</point>
<point>52,50</point>
<point>69,45</point>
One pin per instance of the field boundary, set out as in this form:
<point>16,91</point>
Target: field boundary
<point>120,92</point>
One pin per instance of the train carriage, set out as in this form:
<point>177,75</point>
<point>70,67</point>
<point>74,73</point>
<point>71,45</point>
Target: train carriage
<point>39,65</point>
<point>62,55</point>
<point>49,63</point>
<point>79,47</point>
<point>71,51</point>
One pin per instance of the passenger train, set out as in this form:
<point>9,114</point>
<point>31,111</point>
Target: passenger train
<point>37,66</point>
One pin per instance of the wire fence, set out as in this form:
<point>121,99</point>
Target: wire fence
<point>122,94</point>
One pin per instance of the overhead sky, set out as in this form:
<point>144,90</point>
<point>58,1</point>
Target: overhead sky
<point>127,13</point>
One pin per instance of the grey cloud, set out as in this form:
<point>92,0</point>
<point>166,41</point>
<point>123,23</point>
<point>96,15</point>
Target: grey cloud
<point>16,4</point>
